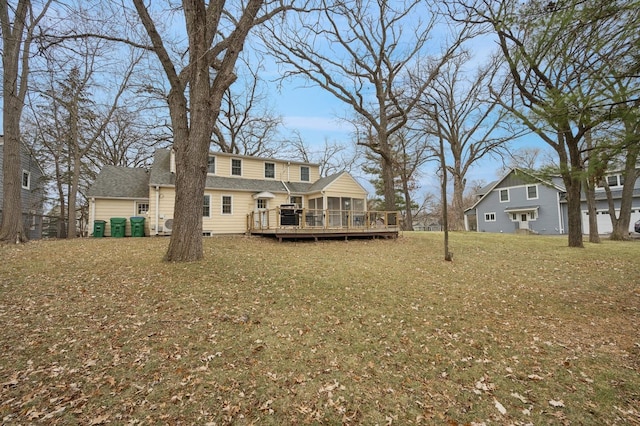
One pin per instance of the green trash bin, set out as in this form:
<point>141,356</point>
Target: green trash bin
<point>137,226</point>
<point>118,226</point>
<point>98,228</point>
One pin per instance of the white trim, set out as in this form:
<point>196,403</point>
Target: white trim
<point>28,185</point>
<point>222,205</point>
<point>231,167</point>
<point>265,170</point>
<point>215,165</point>
<point>526,188</point>
<point>210,206</point>
<point>500,195</point>
<point>487,217</point>
<point>308,173</point>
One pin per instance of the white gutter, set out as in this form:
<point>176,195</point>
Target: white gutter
<point>157,218</point>
<point>93,209</point>
<point>560,224</point>
<point>288,191</point>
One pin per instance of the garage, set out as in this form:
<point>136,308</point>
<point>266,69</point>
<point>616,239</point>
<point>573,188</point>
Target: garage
<point>604,221</point>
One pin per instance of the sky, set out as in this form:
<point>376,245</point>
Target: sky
<point>314,113</point>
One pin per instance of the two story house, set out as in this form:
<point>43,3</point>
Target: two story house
<point>521,202</point>
<point>241,193</point>
<point>32,182</point>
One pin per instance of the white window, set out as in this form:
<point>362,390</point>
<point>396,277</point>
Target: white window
<point>269,170</point>
<point>236,167</point>
<point>504,195</point>
<point>304,173</point>
<point>532,192</point>
<point>261,203</point>
<point>211,165</point>
<point>206,208</point>
<point>142,208</point>
<point>226,204</point>
<point>612,181</point>
<point>26,179</point>
<point>489,217</point>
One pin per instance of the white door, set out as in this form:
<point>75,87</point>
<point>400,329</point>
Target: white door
<point>523,221</point>
<point>261,216</point>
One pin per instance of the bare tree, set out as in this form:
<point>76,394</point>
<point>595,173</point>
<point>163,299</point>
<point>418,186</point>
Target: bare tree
<point>247,124</point>
<point>76,110</point>
<point>361,52</point>
<point>216,33</point>
<point>18,24</point>
<point>473,126</point>
<point>332,156</point>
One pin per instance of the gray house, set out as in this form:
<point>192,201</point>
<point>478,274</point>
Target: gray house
<point>32,190</point>
<point>519,202</point>
<point>523,203</point>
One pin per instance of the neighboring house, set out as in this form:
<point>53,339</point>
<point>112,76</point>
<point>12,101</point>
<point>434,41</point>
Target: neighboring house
<point>615,181</point>
<point>521,202</point>
<point>236,186</point>
<point>32,182</point>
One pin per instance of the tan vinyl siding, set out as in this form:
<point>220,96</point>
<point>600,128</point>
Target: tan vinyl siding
<point>105,209</point>
<point>345,186</point>
<point>253,168</point>
<point>242,204</point>
<point>166,202</point>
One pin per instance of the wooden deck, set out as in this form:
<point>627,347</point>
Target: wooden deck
<point>322,224</point>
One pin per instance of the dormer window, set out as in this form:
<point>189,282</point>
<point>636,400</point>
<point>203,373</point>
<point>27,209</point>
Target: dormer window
<point>269,170</point>
<point>304,173</point>
<point>236,167</point>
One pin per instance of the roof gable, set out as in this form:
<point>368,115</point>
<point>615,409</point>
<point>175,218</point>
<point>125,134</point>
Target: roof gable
<point>516,176</point>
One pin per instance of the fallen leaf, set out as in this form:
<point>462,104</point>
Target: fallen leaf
<point>556,404</point>
<point>500,407</point>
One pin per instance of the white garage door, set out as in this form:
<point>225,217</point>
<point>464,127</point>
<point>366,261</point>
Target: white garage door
<point>604,221</point>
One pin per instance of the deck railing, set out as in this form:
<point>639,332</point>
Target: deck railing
<point>283,218</point>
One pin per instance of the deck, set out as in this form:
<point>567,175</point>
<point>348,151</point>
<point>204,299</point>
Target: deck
<point>293,223</point>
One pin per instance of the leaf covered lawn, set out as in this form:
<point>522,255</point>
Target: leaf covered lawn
<point>517,330</point>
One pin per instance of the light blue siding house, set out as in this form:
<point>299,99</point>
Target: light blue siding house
<point>523,203</point>
<point>519,202</point>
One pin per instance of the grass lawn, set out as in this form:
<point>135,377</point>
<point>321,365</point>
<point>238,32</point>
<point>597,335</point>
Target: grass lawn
<point>516,330</point>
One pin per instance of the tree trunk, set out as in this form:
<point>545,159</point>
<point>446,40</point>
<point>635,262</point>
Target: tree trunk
<point>12,226</point>
<point>186,237</point>
<point>623,220</point>
<point>458,203</point>
<point>590,191</point>
<point>408,219</point>
<point>574,213</point>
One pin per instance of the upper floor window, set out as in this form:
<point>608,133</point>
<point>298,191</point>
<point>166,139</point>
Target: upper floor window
<point>236,167</point>
<point>504,195</point>
<point>269,170</point>
<point>226,204</point>
<point>615,180</point>
<point>304,173</point>
<point>211,165</point>
<point>532,192</point>
<point>206,206</point>
<point>26,179</point>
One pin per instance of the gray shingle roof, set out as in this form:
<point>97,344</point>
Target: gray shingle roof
<point>121,182</point>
